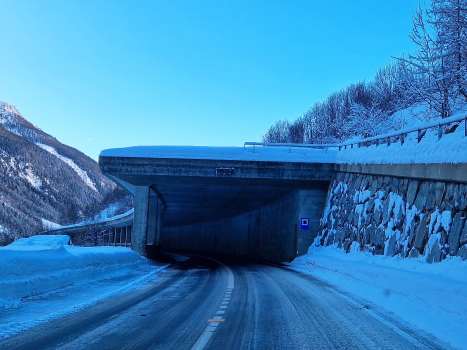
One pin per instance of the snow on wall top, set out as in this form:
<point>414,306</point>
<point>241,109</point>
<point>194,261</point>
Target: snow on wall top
<point>451,148</point>
<point>273,154</point>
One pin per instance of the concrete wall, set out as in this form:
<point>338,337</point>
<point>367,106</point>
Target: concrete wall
<point>272,232</point>
<point>396,216</point>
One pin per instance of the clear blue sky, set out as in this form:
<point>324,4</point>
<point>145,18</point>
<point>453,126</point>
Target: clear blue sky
<point>104,74</point>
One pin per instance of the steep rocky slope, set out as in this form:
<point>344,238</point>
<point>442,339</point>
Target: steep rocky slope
<point>40,178</point>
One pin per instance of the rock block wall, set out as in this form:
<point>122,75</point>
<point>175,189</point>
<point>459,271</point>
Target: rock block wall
<point>394,216</point>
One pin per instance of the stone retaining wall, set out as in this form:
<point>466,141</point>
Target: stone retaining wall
<point>394,216</point>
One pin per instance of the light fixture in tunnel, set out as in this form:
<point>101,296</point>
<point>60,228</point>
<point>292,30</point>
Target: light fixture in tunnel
<point>225,171</point>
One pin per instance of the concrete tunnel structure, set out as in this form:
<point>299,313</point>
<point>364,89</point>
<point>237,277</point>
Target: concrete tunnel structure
<point>263,203</point>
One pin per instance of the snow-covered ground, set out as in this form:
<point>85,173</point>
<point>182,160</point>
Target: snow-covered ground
<point>43,277</point>
<point>451,148</point>
<point>432,297</point>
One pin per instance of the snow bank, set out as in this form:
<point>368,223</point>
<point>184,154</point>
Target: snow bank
<point>44,242</point>
<point>41,264</point>
<point>273,154</point>
<point>432,297</point>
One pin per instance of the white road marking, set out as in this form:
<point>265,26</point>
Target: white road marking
<point>203,340</point>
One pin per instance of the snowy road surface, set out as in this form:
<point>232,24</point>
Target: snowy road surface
<point>205,304</point>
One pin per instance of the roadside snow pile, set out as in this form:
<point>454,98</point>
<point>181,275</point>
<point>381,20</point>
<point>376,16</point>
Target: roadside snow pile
<point>431,296</point>
<point>451,148</point>
<point>41,264</point>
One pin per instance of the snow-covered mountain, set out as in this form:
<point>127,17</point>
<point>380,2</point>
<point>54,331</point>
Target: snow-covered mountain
<point>40,177</point>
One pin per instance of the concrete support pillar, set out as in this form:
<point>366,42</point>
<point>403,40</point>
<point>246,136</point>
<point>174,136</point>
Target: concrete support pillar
<point>152,218</point>
<point>160,209</point>
<point>140,221</point>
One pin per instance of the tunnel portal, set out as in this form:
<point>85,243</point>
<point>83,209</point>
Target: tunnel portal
<point>264,203</point>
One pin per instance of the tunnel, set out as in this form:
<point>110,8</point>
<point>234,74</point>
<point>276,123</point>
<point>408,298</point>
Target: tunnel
<point>264,204</point>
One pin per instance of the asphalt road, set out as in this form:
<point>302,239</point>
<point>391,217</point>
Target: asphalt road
<point>203,303</point>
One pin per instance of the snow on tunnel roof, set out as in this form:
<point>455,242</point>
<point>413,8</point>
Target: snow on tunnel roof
<point>274,154</point>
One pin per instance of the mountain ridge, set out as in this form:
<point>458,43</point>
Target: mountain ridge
<point>41,177</point>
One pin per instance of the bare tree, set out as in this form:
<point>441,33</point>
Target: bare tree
<point>439,66</point>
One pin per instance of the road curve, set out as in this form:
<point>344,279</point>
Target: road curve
<point>203,303</point>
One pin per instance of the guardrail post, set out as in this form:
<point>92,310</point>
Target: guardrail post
<point>402,139</point>
<point>440,132</point>
<point>377,142</point>
<point>389,141</point>
<point>465,127</point>
<point>419,135</point>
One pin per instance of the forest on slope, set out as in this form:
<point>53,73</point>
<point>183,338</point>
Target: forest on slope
<point>434,78</point>
<point>43,179</point>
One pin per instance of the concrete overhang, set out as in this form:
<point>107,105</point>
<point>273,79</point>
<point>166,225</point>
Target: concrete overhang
<point>200,184</point>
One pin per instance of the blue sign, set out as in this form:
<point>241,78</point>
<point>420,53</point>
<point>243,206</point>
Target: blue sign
<point>305,223</point>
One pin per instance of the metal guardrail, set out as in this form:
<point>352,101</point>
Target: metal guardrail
<point>300,145</point>
<point>115,231</point>
<point>116,237</point>
<point>397,136</point>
